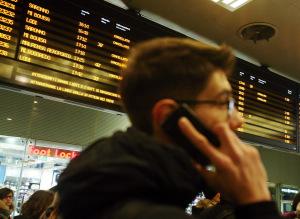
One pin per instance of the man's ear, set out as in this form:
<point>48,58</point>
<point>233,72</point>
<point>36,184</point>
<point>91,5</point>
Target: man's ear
<point>161,110</point>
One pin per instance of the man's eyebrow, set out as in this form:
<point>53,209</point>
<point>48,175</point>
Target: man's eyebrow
<point>225,92</point>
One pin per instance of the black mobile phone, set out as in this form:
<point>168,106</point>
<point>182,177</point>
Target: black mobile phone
<point>170,126</point>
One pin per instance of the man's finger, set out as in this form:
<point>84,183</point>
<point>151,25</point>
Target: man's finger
<point>229,141</point>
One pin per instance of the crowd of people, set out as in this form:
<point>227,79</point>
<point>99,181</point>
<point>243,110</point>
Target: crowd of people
<point>36,205</point>
<point>42,204</point>
<point>144,172</point>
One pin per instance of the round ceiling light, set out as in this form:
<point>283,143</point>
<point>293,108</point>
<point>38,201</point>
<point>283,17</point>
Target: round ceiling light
<point>257,31</point>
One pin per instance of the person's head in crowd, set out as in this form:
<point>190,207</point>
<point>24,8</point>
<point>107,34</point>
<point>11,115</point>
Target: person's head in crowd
<point>296,205</point>
<point>162,72</point>
<point>37,204</point>
<point>296,201</point>
<point>7,197</point>
<point>53,189</point>
<point>207,202</point>
<point>295,213</point>
<point>217,198</point>
<point>298,210</point>
<point>51,212</point>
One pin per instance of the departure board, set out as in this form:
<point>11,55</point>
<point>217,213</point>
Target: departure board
<point>267,103</point>
<point>75,50</point>
<point>70,49</point>
<point>9,25</point>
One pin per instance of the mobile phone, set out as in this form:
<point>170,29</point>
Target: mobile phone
<point>170,126</point>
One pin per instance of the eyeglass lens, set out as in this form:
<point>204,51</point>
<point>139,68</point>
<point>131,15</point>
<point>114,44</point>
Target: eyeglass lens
<point>231,104</point>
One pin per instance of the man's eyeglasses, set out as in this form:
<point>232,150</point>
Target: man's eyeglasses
<point>230,103</point>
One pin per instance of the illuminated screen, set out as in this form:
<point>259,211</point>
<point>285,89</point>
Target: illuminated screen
<point>267,103</point>
<point>70,49</point>
<point>9,26</point>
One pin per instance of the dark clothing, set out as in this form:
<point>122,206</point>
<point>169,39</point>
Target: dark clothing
<point>146,210</point>
<point>222,210</point>
<point>260,210</point>
<point>21,217</point>
<point>129,175</point>
<point>127,166</point>
<point>4,213</point>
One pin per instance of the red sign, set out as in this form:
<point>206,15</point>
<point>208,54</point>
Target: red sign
<point>52,152</point>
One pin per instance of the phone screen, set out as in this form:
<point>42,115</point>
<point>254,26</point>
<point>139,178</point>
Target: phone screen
<point>170,126</point>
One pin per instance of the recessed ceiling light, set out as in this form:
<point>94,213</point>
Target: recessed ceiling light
<point>8,119</point>
<point>227,1</point>
<point>257,31</point>
<point>231,5</point>
<point>35,101</point>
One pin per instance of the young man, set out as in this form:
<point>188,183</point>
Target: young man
<point>142,173</point>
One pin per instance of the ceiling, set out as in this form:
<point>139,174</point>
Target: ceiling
<point>281,53</point>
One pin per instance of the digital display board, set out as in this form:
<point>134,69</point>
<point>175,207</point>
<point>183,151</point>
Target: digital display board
<point>76,49</point>
<point>9,26</point>
<point>71,49</point>
<point>267,103</point>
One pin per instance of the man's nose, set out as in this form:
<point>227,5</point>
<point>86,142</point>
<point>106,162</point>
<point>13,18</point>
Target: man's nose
<point>236,120</point>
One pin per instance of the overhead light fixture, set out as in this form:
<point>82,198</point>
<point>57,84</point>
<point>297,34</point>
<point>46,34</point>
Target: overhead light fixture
<point>231,5</point>
<point>118,3</point>
<point>257,31</point>
<point>8,119</point>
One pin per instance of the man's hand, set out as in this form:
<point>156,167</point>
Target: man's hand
<point>239,174</point>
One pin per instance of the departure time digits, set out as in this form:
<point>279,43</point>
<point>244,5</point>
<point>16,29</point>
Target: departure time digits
<point>266,113</point>
<point>8,25</point>
<point>95,54</point>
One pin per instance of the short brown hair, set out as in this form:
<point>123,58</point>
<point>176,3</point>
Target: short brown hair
<point>175,68</point>
<point>37,203</point>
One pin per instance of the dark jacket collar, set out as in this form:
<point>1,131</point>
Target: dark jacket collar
<point>129,165</point>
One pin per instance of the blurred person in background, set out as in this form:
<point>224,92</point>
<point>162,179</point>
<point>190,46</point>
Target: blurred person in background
<point>206,203</point>
<point>295,213</point>
<point>298,211</point>
<point>223,209</point>
<point>36,205</point>
<point>6,203</point>
<point>51,211</point>
<point>296,205</point>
